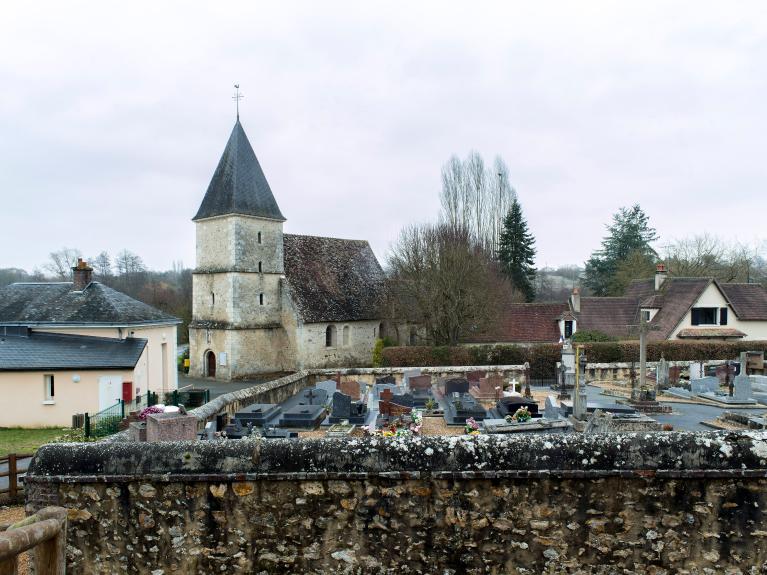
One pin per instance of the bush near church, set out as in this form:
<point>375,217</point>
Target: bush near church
<point>543,357</point>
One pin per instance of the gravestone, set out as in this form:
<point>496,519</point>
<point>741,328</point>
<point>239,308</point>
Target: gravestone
<point>344,409</point>
<point>489,387</point>
<point>408,373</point>
<point>405,399</point>
<point>303,416</point>
<point>456,385</point>
<point>673,375</point>
<point>275,433</point>
<point>475,376</point>
<point>328,386</point>
<point>388,409</point>
<point>695,371</point>
<point>350,388</point>
<point>461,406</point>
<point>379,388</point>
<point>661,374</point>
<point>258,414</point>
<point>704,385</point>
<point>742,391</point>
<point>419,382</point>
<point>551,408</point>
<point>510,405</point>
<point>170,427</point>
<point>313,396</point>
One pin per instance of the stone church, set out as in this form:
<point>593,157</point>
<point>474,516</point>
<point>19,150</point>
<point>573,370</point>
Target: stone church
<point>266,301</point>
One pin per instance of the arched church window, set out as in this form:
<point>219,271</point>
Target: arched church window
<point>346,335</point>
<point>330,336</point>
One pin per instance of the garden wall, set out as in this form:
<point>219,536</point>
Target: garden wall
<point>630,504</point>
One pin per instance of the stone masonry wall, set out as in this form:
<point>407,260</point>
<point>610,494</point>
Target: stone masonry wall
<point>629,504</point>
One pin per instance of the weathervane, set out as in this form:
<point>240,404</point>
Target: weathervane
<point>237,97</point>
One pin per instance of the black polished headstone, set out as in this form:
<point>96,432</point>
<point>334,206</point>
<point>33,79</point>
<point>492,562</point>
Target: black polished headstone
<point>456,385</point>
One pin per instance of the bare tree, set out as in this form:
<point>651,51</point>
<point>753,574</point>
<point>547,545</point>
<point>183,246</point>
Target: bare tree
<point>102,265</point>
<point>441,279</point>
<point>61,262</point>
<point>706,255</point>
<point>127,262</point>
<point>476,198</point>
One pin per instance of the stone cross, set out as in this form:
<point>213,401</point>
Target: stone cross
<point>528,393</point>
<point>514,384</point>
<point>644,327</point>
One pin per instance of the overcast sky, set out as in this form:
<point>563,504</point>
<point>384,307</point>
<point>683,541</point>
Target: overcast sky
<point>113,116</point>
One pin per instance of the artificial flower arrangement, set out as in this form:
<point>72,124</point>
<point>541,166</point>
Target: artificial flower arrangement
<point>150,410</point>
<point>403,426</point>
<point>472,427</point>
<point>520,416</point>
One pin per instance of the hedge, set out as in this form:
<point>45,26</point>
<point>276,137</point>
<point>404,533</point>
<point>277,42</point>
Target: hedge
<point>543,357</point>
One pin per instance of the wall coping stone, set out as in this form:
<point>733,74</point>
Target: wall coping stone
<point>695,454</point>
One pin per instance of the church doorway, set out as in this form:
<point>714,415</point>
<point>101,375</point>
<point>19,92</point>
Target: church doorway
<point>210,364</point>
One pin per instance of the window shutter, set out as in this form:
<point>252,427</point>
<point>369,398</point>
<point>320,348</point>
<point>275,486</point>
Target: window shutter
<point>723,316</point>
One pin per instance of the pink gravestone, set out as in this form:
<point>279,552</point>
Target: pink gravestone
<point>170,427</point>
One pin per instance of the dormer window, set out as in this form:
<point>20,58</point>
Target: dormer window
<point>704,316</point>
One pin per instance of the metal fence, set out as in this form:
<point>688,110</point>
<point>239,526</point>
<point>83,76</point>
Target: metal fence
<point>105,422</point>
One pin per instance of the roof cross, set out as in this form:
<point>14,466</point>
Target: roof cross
<point>237,97</point>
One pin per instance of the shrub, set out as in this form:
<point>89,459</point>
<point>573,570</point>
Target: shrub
<point>589,335</point>
<point>378,353</point>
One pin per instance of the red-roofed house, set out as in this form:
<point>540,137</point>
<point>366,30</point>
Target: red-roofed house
<point>677,308</point>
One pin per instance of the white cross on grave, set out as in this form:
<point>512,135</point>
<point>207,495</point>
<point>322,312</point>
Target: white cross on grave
<point>514,384</point>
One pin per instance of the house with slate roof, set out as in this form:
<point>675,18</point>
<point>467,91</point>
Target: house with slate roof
<point>265,301</point>
<point>79,346</point>
<point>675,307</point>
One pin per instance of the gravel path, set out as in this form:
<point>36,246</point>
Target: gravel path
<point>12,515</point>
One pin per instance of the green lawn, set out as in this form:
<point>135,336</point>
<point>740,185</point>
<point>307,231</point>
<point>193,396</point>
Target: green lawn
<point>17,440</point>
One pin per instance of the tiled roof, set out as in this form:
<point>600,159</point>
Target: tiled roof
<point>238,185</point>
<point>57,304</point>
<point>614,316</point>
<point>332,280</point>
<point>47,351</point>
<point>749,301</point>
<point>708,332</point>
<point>524,323</point>
<point>679,294</point>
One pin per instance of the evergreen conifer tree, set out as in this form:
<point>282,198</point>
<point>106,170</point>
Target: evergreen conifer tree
<point>516,252</point>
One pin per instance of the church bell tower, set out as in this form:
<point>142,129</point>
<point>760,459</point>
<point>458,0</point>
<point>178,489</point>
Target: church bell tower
<point>236,282</point>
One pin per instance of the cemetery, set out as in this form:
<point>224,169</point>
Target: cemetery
<point>349,470</point>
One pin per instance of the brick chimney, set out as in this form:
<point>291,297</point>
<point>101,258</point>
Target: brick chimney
<point>82,275</point>
<point>660,275</point>
<point>575,300</point>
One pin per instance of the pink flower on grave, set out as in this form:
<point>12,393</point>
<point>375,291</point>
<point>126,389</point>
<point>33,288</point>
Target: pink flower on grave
<point>149,410</point>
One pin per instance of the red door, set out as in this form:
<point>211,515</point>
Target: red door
<point>127,391</point>
<point>211,364</point>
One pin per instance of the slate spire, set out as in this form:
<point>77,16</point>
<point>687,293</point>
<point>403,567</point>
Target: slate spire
<point>238,185</point>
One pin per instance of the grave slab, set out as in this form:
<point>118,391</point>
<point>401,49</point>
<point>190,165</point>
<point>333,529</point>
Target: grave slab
<point>170,427</point>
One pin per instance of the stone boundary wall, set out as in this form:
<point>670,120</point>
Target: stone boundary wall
<point>611,503</point>
<point>369,374</point>
<point>621,371</point>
